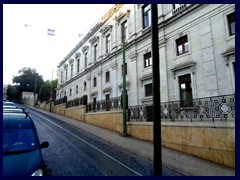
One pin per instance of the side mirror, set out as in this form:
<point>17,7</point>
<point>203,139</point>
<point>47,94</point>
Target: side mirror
<point>44,145</point>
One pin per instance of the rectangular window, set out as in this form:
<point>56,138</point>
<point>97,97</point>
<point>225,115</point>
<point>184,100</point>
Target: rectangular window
<point>234,68</point>
<point>66,74</point>
<point>182,45</point>
<point>148,90</point>
<point>147,16</point>
<point>85,59</point>
<point>85,86</point>
<point>125,69</point>
<point>185,87</point>
<point>78,65</point>
<point>108,39</point>
<point>76,89</point>
<point>71,70</point>
<point>147,59</point>
<point>94,82</point>
<point>70,92</point>
<point>61,76</point>
<point>107,76</point>
<point>124,31</point>
<point>95,49</point>
<point>231,23</point>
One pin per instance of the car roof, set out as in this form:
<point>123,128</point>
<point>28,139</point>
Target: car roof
<point>9,103</point>
<point>9,107</point>
<point>16,120</point>
<point>13,110</point>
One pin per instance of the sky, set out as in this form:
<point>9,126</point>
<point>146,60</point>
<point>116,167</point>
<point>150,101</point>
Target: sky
<point>25,39</point>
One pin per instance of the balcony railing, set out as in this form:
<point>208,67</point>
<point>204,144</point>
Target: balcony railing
<point>211,108</point>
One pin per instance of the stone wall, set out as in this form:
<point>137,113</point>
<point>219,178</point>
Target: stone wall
<point>111,120</point>
<point>60,109</point>
<point>213,141</point>
<point>76,112</point>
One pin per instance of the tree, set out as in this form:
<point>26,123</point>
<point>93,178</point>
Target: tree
<point>26,80</point>
<point>13,93</point>
<point>45,90</point>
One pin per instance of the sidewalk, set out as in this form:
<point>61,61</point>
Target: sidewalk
<point>183,163</point>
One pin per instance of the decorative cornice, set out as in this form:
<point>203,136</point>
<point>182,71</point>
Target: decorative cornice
<point>65,66</point>
<point>121,15</point>
<point>94,39</point>
<point>227,54</point>
<point>85,48</point>
<point>106,29</point>
<point>94,93</point>
<point>179,67</point>
<point>145,77</point>
<point>71,61</point>
<point>77,55</point>
<point>93,30</point>
<point>121,85</point>
<point>107,89</point>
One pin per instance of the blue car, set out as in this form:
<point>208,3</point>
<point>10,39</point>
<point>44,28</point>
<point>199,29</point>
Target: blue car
<point>22,154</point>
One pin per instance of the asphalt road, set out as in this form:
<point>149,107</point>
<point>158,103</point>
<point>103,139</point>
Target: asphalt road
<point>73,152</point>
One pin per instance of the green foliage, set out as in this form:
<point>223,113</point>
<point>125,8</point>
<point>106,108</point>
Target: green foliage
<point>13,92</point>
<point>28,80</point>
<point>45,90</point>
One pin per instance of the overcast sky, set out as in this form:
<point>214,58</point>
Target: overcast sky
<point>30,46</point>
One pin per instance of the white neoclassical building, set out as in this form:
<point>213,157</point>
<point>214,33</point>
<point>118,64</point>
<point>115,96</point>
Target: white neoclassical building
<point>196,49</point>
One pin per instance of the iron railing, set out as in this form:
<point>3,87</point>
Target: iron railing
<point>77,102</point>
<point>105,105</point>
<point>211,108</point>
<point>60,101</point>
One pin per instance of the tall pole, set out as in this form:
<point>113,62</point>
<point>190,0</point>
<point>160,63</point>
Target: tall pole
<point>51,94</point>
<point>156,95</point>
<point>124,133</point>
<point>35,87</point>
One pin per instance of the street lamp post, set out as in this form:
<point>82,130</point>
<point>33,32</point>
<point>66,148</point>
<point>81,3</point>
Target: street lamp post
<point>51,98</point>
<point>35,87</point>
<point>124,133</point>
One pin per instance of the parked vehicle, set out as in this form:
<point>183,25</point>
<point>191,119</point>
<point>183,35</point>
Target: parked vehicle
<point>22,154</point>
<point>9,107</point>
<point>9,110</point>
<point>8,103</point>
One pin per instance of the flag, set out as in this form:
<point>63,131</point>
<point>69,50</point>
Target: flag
<point>51,32</point>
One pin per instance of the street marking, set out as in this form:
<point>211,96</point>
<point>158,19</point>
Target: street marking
<point>93,146</point>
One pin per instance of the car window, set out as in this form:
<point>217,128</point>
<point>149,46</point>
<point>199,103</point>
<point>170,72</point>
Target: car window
<point>18,140</point>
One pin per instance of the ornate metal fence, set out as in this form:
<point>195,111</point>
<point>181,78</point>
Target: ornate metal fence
<point>212,108</point>
<point>105,105</point>
<point>76,102</point>
<point>60,101</point>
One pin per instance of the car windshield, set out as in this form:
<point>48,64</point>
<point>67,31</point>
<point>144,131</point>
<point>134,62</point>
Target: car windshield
<point>18,140</point>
